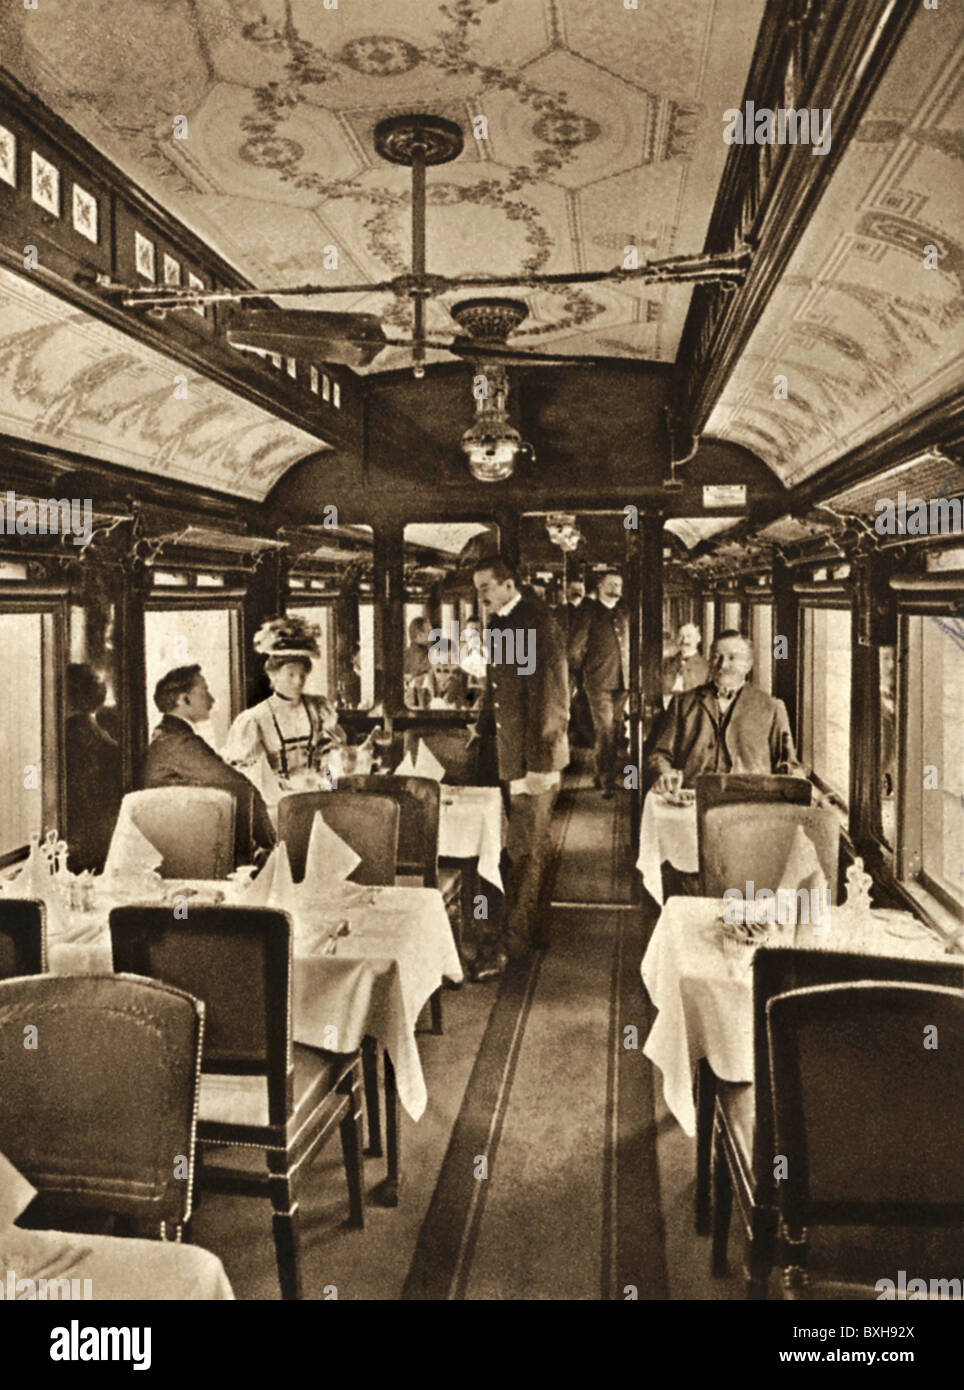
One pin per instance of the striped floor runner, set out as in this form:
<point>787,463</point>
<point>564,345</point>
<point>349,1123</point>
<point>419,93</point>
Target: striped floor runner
<point>550,1186</point>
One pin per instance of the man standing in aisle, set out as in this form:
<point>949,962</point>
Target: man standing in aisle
<point>599,649</point>
<point>527,699</point>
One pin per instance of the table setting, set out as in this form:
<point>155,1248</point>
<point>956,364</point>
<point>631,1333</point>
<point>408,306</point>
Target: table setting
<point>366,959</point>
<point>698,968</point>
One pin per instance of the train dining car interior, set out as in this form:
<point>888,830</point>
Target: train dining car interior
<point>481,579</point>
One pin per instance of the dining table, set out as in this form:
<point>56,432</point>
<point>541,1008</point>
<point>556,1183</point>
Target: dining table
<point>667,832</point>
<point>701,983</point>
<point>365,962</point>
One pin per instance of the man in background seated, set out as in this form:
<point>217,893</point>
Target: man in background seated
<point>686,668</point>
<point>94,772</point>
<point>722,726</point>
<point>177,756</point>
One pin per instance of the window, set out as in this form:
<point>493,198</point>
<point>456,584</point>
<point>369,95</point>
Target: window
<point>182,636</point>
<point>825,702</point>
<point>761,635</point>
<point>887,742</point>
<point>732,616</point>
<point>28,782</point>
<point>709,621</point>
<point>933,762</point>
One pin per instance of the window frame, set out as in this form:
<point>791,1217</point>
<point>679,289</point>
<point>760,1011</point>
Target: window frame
<point>910,873</point>
<point>229,600</point>
<point>841,605</point>
<point>51,603</point>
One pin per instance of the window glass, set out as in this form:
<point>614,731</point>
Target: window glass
<point>440,664</point>
<point>182,637</point>
<point>942,753</point>
<point>21,737</point>
<point>825,741</point>
<point>732,616</point>
<point>709,618</point>
<point>761,635</point>
<point>887,742</point>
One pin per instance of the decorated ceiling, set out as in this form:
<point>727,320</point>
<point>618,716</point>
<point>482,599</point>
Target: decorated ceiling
<point>603,131</point>
<point>861,327</point>
<point>71,382</point>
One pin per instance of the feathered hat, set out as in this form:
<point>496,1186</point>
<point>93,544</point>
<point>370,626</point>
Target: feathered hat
<point>287,636</point>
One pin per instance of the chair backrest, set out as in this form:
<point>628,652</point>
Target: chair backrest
<point>866,1080</point>
<point>192,827</point>
<point>723,788</point>
<point>419,801</point>
<point>368,823</point>
<point>23,937</point>
<point>97,1114</point>
<point>751,841</point>
<point>778,970</point>
<point>452,749</point>
<point>238,961</point>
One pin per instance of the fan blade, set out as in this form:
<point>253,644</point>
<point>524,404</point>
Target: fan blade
<point>353,340</point>
<point>516,357</point>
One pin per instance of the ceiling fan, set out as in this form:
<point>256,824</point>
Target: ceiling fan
<point>355,339</point>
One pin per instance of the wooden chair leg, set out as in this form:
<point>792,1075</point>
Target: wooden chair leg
<point>285,1225</point>
<point>351,1149</point>
<point>722,1184</point>
<point>372,1098</point>
<point>388,1190</point>
<point>763,1239</point>
<point>436,1004</point>
<point>705,1103</point>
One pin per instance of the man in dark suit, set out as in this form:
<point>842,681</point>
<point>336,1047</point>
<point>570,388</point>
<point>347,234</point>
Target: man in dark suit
<point>527,699</point>
<point>177,756</point>
<point>722,726</point>
<point>599,650</point>
<point>686,668</point>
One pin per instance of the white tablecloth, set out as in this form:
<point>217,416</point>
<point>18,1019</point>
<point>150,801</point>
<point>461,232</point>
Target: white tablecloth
<point>395,956</point>
<point>704,992</point>
<point>117,1268</point>
<point>472,825</point>
<point>666,833</point>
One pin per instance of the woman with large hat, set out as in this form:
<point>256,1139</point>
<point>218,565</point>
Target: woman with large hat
<point>290,730</point>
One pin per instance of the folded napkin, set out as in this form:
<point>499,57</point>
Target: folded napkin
<point>16,1193</point>
<point>131,852</point>
<point>329,858</point>
<point>406,767</point>
<point>274,886</point>
<point>427,765</point>
<point>803,869</point>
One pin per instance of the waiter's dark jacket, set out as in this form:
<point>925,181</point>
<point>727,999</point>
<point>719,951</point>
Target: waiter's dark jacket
<point>599,645</point>
<point>530,713</point>
<point>752,736</point>
<point>177,756</point>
